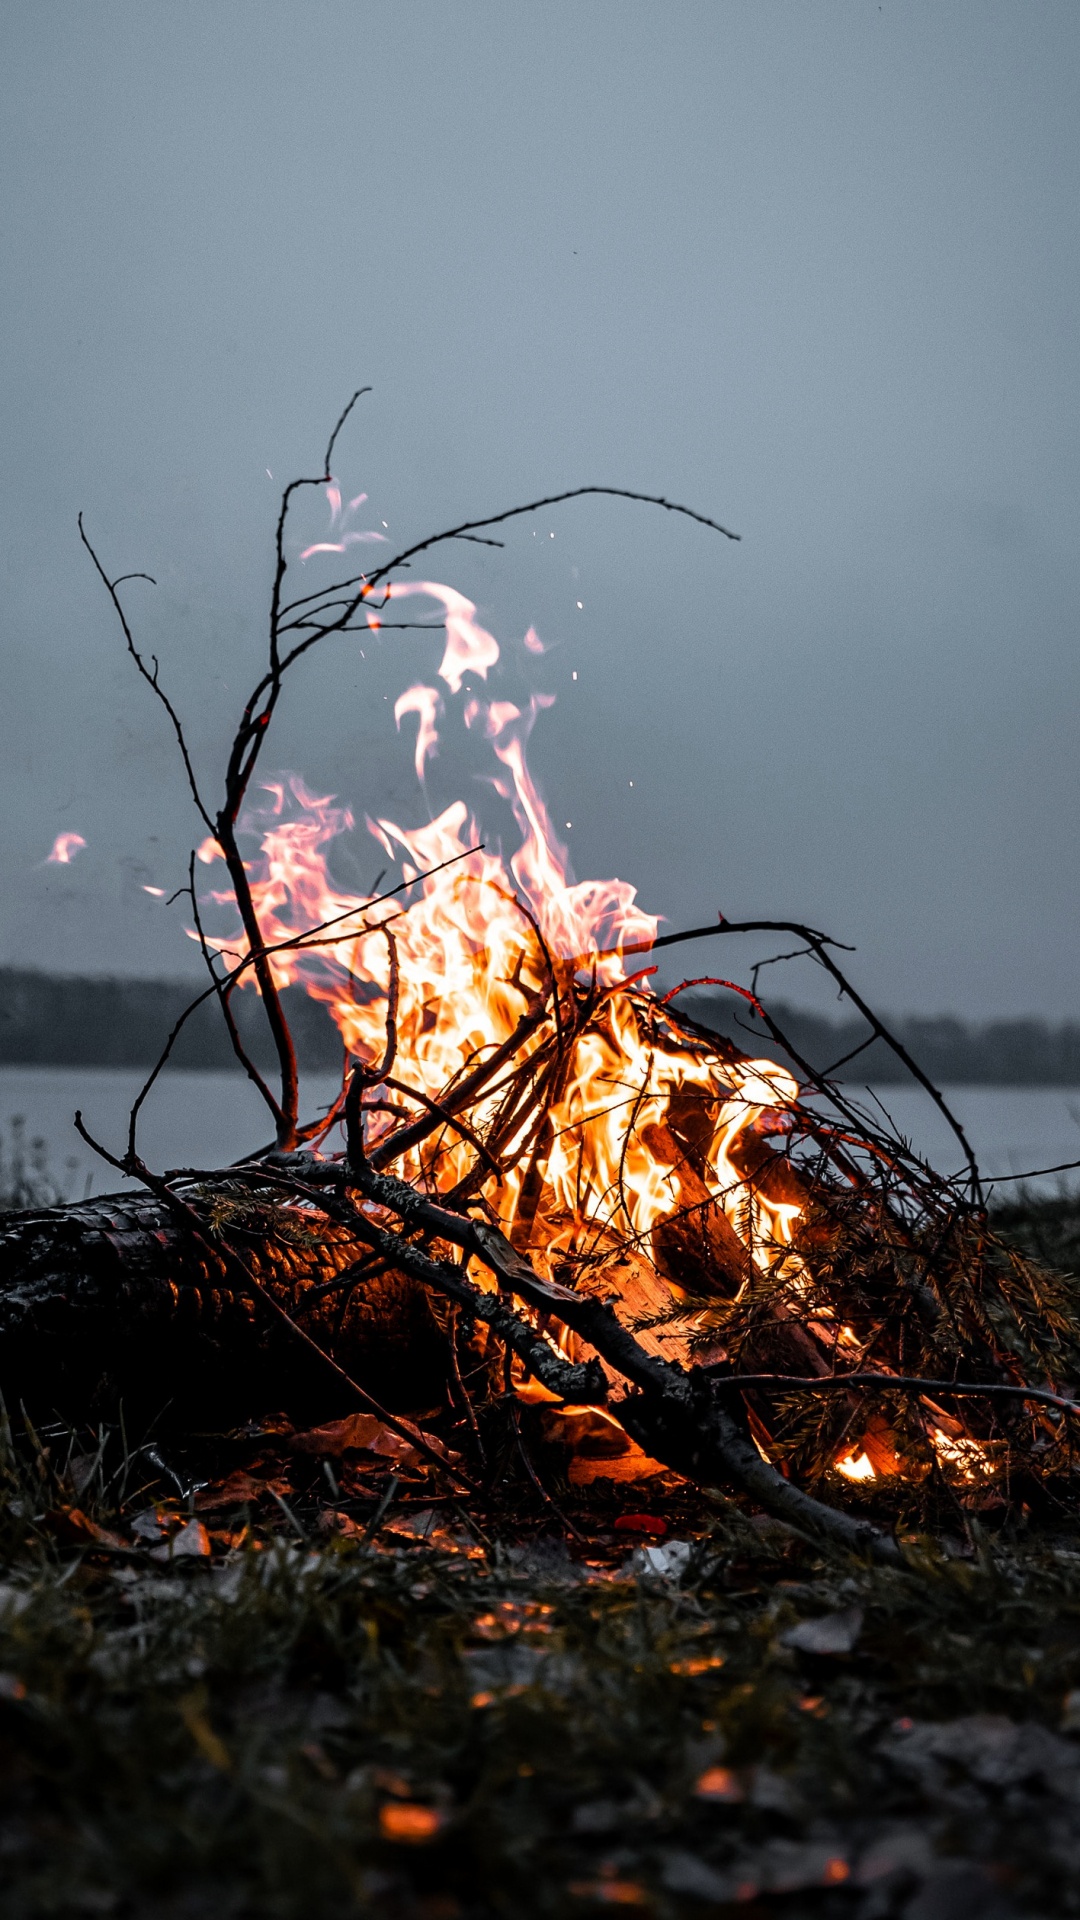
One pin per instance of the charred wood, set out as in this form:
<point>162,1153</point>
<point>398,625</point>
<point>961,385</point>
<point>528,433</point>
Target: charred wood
<point>110,1301</point>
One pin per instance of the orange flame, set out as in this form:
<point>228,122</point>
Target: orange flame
<point>475,945</point>
<point>478,943</point>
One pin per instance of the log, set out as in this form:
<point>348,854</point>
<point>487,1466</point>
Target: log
<point>109,1301</point>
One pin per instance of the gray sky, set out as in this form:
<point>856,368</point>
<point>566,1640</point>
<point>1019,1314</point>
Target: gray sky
<point>812,269</point>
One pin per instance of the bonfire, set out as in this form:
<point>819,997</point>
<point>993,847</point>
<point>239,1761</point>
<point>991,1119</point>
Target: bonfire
<point>647,1254</point>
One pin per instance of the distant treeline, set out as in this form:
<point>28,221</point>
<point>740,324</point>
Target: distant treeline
<point>66,1020</point>
<point>1018,1053</point>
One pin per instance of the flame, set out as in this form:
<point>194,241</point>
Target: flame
<point>426,704</point>
<point>636,1131</point>
<point>349,537</point>
<point>64,849</point>
<point>856,1466</point>
<point>476,943</point>
<point>469,646</point>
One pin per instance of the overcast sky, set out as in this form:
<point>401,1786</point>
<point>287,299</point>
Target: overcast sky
<point>812,269</point>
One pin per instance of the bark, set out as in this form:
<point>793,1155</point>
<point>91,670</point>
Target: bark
<point>109,1302</point>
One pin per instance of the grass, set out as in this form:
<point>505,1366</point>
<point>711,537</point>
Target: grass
<point>441,1729</point>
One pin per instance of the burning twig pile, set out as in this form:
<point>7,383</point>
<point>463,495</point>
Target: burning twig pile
<point>651,1248</point>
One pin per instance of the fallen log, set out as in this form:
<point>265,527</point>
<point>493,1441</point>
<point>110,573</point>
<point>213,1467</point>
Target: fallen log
<point>111,1301</point>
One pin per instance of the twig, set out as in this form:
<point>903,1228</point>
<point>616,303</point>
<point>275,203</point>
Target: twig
<point>819,944</point>
<point>886,1383</point>
<point>548,1498</point>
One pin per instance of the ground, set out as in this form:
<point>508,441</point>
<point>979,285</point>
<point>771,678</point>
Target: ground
<point>307,1690</point>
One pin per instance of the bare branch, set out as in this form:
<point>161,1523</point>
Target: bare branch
<point>151,678</point>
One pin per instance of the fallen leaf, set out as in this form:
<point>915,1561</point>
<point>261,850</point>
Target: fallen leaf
<point>147,1526</point>
<point>365,1433</point>
<point>510,1617</point>
<point>11,1687</point>
<point>828,1633</point>
<point>76,1528</point>
<point>358,1433</point>
<point>238,1490</point>
<point>408,1823</point>
<point>685,1873</point>
<point>786,1866</point>
<point>697,1663</point>
<point>719,1784</point>
<point>996,1751</point>
<point>495,1669</point>
<point>666,1562</point>
<point>427,1526</point>
<point>905,1849</point>
<point>611,1893</point>
<point>191,1543</point>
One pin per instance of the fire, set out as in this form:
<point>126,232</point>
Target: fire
<point>607,1129</point>
<point>64,848</point>
<point>856,1466</point>
<point>473,948</point>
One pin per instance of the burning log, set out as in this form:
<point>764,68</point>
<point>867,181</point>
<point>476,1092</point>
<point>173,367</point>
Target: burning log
<point>617,1209</point>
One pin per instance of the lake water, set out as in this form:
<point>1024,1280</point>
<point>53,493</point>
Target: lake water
<point>210,1119</point>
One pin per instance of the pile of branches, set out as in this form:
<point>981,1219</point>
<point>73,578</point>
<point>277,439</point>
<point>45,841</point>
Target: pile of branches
<point>900,1325</point>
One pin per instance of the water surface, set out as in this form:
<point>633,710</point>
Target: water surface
<point>209,1119</point>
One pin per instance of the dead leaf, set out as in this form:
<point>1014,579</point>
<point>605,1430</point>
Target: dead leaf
<point>427,1526</point>
<point>408,1822</point>
<point>668,1562</point>
<point>996,1751</point>
<point>359,1433</point>
<point>696,1663</point>
<point>685,1873</point>
<point>191,1543</point>
<point>903,1850</point>
<point>237,1491</point>
<point>828,1633</point>
<point>147,1526</point>
<point>721,1785</point>
<point>610,1893</point>
<point>76,1529</point>
<point>786,1866</point>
